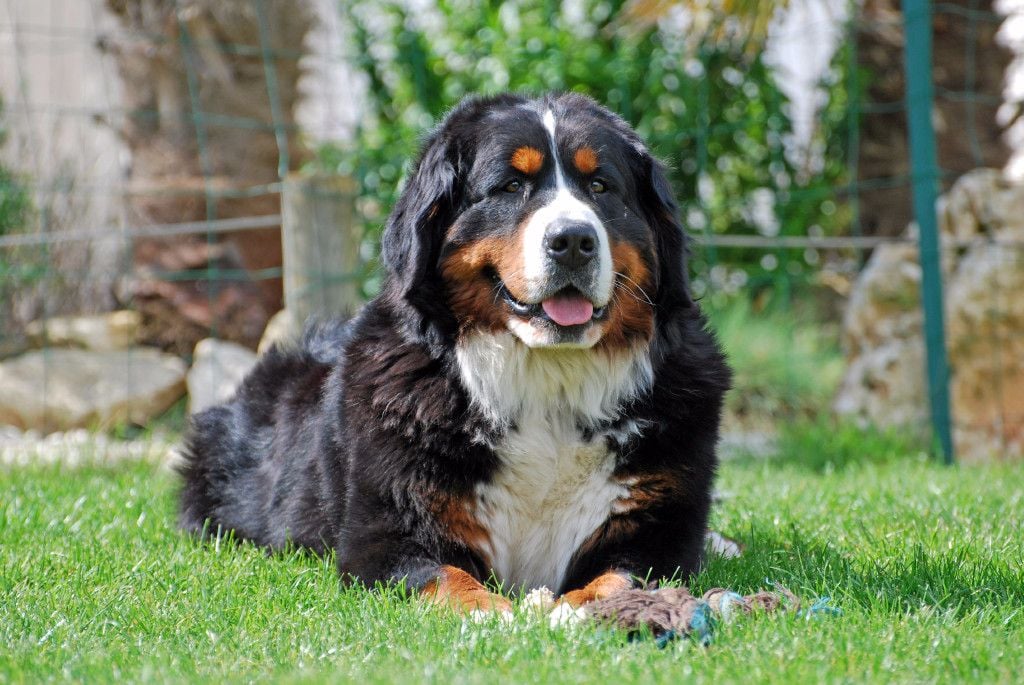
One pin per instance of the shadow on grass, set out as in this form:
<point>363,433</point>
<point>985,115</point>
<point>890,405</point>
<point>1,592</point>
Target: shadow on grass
<point>896,578</point>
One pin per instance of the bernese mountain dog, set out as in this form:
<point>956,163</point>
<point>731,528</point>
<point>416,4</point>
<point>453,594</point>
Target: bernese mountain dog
<point>533,399</point>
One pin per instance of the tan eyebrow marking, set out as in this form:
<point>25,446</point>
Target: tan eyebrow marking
<point>585,160</point>
<point>527,159</point>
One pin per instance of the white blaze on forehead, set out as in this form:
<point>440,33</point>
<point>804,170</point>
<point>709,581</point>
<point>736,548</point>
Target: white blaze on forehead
<point>564,206</point>
<point>549,124</point>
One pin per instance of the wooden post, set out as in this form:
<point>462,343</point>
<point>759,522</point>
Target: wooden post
<point>320,237</point>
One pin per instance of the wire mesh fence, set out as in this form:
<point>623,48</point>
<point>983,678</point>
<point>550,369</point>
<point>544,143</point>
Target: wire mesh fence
<point>196,165</point>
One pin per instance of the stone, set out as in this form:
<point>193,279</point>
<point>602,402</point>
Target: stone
<point>282,329</point>
<point>82,447</point>
<point>885,384</point>
<point>218,367</point>
<point>108,331</point>
<point>60,389</point>
<point>985,323</point>
<point>885,303</point>
<point>982,202</point>
<point>981,222</point>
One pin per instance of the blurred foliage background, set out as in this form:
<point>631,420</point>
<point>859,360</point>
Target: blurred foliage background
<point>696,86</point>
<point>14,198</point>
<point>15,206</point>
<point>156,145</point>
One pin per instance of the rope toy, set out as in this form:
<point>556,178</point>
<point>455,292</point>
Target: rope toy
<point>670,613</point>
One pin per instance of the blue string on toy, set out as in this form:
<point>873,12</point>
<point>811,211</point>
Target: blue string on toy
<point>704,621</point>
<point>821,607</point>
<point>702,624</point>
<point>701,628</point>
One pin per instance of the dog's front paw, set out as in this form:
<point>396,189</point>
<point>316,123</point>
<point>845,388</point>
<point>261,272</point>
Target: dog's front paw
<point>539,600</point>
<point>564,615</point>
<point>605,585</point>
<point>458,590</point>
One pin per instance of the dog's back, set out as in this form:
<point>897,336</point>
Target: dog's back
<point>242,458</point>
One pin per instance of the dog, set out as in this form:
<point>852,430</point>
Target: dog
<point>532,400</point>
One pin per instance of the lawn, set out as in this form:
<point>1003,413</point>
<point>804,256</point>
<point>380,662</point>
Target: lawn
<point>925,562</point>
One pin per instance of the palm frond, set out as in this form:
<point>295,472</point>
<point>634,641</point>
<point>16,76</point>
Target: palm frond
<point>740,24</point>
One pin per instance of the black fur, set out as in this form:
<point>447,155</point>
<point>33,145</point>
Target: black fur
<point>355,440</point>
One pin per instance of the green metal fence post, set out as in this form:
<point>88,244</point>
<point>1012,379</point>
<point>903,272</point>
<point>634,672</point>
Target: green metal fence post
<point>917,23</point>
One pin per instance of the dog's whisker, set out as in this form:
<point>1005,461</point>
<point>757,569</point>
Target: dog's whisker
<point>622,288</point>
<point>646,297</point>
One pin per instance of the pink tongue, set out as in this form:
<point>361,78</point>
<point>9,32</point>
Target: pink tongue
<point>568,311</point>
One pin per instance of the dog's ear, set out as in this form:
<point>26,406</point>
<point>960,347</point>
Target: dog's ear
<point>415,231</point>
<point>659,205</point>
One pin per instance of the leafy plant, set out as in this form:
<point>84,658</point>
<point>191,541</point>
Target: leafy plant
<point>14,200</point>
<point>16,270</point>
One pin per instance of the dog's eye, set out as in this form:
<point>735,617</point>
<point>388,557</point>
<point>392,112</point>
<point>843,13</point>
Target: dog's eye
<point>598,186</point>
<point>513,187</point>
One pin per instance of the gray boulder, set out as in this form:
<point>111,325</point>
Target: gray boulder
<point>59,389</point>
<point>218,367</point>
<point>108,331</point>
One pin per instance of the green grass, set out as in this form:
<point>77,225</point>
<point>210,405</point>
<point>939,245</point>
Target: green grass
<point>926,563</point>
<point>824,444</point>
<point>784,365</point>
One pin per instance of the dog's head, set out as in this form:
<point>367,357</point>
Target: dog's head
<point>547,218</point>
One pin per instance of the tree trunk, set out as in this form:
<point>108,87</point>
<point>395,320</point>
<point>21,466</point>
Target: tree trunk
<point>200,125</point>
<point>968,71</point>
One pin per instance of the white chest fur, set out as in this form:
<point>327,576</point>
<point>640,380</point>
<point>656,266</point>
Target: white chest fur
<point>553,489</point>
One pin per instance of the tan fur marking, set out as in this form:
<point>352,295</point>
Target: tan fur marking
<point>631,315</point>
<point>605,585</point>
<point>527,159</point>
<point>472,295</point>
<point>456,589</point>
<point>585,160</point>
<point>646,491</point>
<point>460,522</point>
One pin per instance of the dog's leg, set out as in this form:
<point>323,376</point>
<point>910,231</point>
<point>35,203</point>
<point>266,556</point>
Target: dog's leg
<point>604,585</point>
<point>455,588</point>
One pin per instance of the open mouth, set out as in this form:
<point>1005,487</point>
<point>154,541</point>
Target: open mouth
<point>567,307</point>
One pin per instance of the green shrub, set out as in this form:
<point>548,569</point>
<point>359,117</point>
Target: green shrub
<point>14,203</point>
<point>16,270</point>
<point>14,200</point>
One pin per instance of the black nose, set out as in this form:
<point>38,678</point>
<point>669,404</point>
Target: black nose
<point>571,244</point>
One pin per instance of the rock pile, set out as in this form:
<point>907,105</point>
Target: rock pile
<point>981,221</point>
<point>90,372</point>
<point>57,389</point>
